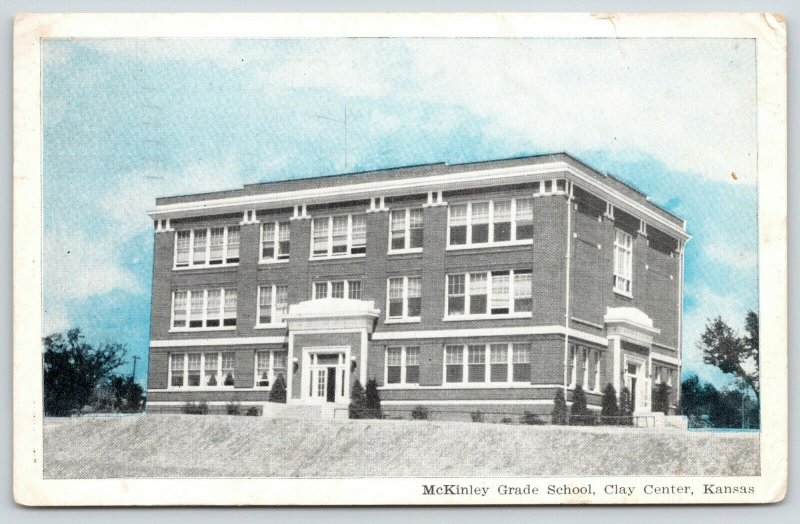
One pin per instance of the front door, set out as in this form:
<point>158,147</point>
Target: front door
<point>330,395</point>
<point>326,376</point>
<point>635,381</point>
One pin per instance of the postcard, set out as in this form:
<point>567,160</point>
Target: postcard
<point>406,259</point>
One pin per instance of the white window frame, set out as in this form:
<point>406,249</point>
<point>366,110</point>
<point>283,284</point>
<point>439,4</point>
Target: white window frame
<point>487,369</point>
<point>204,327</point>
<point>512,313</point>
<point>403,365</point>
<point>273,306</point>
<point>329,287</point>
<point>275,225</point>
<point>349,243</point>
<point>404,318</point>
<point>491,242</point>
<point>271,372</point>
<point>407,231</point>
<point>207,263</point>
<point>550,187</point>
<point>623,276</point>
<point>185,372</point>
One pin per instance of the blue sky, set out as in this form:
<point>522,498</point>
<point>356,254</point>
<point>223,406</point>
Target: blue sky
<point>126,121</point>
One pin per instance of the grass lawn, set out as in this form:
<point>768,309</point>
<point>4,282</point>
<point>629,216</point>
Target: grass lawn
<point>230,446</point>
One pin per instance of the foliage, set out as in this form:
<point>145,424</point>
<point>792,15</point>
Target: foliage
<point>579,413</point>
<point>233,408</point>
<point>73,369</point>
<point>419,413</point>
<point>358,400</point>
<point>252,411</point>
<point>625,411</point>
<point>661,398</point>
<point>733,354</point>
<point>559,414</point>
<point>195,408</point>
<point>476,416</point>
<point>610,409</point>
<point>372,404</point>
<point>277,392</point>
<point>531,419</point>
<point>706,406</point>
<point>128,394</point>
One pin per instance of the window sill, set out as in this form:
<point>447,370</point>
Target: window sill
<point>623,294</point>
<point>511,243</point>
<point>410,251</point>
<point>195,330</point>
<point>413,320</point>
<point>205,266</point>
<point>402,385</point>
<point>487,385</point>
<point>270,261</point>
<point>281,325</point>
<point>486,317</point>
<point>335,257</point>
<point>201,388</point>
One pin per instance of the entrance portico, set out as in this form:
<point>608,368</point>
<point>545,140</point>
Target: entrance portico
<point>327,349</point>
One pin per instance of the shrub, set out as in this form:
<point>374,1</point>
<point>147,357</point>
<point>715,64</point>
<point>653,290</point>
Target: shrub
<point>610,410</point>
<point>278,391</point>
<point>531,419</point>
<point>372,400</point>
<point>253,411</point>
<point>419,413</point>
<point>579,414</point>
<point>195,408</point>
<point>477,416</point>
<point>358,401</point>
<point>559,415</point>
<point>661,398</point>
<point>506,420</point>
<point>625,411</point>
<point>233,408</point>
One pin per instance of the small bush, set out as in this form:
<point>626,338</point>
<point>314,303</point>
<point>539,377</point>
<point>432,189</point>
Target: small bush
<point>419,413</point>
<point>661,398</point>
<point>358,401</point>
<point>625,411</point>
<point>233,408</point>
<point>253,411</point>
<point>277,392</point>
<point>372,400</point>
<point>477,416</point>
<point>531,419</point>
<point>195,408</point>
<point>579,414</point>
<point>507,420</point>
<point>559,415</point>
<point>610,411</point>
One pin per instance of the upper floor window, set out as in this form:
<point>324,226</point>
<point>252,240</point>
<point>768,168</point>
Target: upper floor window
<point>340,235</point>
<point>204,247</point>
<point>404,298</point>
<point>623,263</point>
<point>490,223</point>
<point>489,293</point>
<point>406,232</point>
<point>273,304</point>
<point>275,241</point>
<point>337,289</point>
<point>402,365</point>
<point>488,363</point>
<point>204,309</point>
<point>269,366</point>
<point>202,369</point>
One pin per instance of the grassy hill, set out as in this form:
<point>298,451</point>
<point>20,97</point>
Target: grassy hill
<point>229,446</point>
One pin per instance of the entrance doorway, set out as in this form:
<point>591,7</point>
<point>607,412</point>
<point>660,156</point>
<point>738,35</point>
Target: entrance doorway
<point>327,376</point>
<point>636,382</point>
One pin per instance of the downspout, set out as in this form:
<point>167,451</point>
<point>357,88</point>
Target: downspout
<point>682,247</point>
<point>566,296</point>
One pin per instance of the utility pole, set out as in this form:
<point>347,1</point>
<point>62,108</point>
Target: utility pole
<point>135,358</point>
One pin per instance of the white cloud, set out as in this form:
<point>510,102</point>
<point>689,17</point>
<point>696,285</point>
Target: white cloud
<point>732,255</point>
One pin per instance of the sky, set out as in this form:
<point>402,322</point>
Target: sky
<point>126,121</point>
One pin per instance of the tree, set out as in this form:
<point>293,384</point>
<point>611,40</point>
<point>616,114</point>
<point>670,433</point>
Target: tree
<point>73,369</point>
<point>579,413</point>
<point>610,410</point>
<point>559,415</point>
<point>625,407</point>
<point>278,391</point>
<point>661,398</point>
<point>372,401</point>
<point>706,406</point>
<point>128,394</point>
<point>358,401</point>
<point>733,354</point>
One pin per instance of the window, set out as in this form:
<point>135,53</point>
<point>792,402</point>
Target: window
<point>269,365</point>
<point>275,241</point>
<point>272,304</point>
<point>404,298</point>
<point>550,187</point>
<point>489,293</point>
<point>572,363</point>
<point>490,223</point>
<point>594,371</point>
<point>204,309</point>
<point>394,358</point>
<point>201,369</point>
<point>585,359</point>
<point>402,365</point>
<point>405,229</point>
<point>412,365</point>
<point>338,236</point>
<point>207,247</point>
<point>337,289</point>
<point>488,363</point>
<point>454,359</point>
<point>623,262</point>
